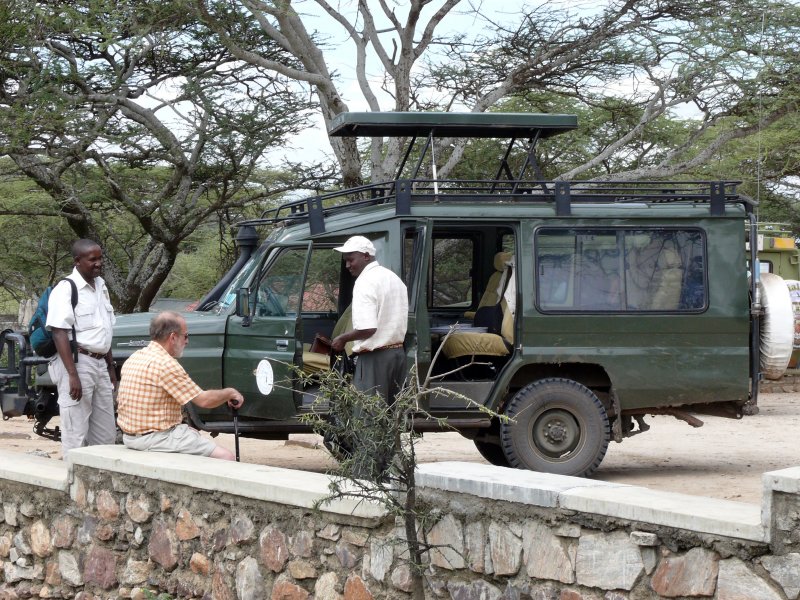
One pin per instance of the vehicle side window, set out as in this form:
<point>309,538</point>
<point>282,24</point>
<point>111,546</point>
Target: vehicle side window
<point>451,274</point>
<point>620,270</point>
<point>278,292</point>
<point>321,291</point>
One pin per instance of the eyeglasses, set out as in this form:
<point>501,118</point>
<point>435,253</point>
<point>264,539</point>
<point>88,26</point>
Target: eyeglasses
<point>185,335</point>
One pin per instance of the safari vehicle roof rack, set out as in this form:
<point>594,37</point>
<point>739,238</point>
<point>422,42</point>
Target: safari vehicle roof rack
<point>504,188</point>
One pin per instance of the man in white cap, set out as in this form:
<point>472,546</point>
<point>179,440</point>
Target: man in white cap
<point>380,318</point>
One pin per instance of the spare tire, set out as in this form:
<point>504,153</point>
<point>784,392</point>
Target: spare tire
<point>777,325</point>
<point>794,292</point>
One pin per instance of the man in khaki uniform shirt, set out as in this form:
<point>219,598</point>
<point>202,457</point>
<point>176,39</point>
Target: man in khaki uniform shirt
<point>85,388</point>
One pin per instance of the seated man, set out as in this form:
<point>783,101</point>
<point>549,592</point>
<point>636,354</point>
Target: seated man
<point>154,387</point>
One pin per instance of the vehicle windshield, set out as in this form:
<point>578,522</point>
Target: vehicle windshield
<point>228,298</point>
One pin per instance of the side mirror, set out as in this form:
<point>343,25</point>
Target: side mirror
<point>243,305</point>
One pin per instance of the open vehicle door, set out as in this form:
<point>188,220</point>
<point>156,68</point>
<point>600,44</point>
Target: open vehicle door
<point>416,258</point>
<point>264,345</point>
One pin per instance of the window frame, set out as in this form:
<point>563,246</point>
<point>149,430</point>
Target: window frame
<point>620,233</point>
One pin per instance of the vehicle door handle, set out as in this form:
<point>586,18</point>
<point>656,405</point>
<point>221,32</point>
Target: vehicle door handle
<point>282,344</point>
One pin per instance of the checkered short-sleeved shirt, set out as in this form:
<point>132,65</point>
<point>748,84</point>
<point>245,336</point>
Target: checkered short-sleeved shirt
<point>153,387</point>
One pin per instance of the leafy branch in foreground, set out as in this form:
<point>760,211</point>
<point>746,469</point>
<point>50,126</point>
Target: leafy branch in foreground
<point>374,442</point>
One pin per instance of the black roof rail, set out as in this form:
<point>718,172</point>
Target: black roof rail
<point>564,195</point>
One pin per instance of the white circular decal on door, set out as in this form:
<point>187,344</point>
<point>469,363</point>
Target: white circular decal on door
<point>264,377</point>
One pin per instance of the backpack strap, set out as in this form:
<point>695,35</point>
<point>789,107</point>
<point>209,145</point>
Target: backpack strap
<point>74,292</point>
<point>74,301</point>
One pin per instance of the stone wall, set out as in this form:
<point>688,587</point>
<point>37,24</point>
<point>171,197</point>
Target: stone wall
<point>113,523</point>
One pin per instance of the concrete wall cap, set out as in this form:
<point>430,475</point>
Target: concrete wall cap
<point>783,480</point>
<point>34,470</point>
<point>681,511</point>
<point>260,482</point>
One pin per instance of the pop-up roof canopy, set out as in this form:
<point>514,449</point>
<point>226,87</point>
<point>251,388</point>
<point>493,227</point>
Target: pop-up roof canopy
<point>447,124</point>
<point>515,126</point>
<point>506,186</point>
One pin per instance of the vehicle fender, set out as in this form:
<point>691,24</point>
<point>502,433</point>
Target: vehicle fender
<point>777,325</point>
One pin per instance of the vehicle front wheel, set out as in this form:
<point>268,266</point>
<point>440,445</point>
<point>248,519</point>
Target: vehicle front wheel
<point>556,426</point>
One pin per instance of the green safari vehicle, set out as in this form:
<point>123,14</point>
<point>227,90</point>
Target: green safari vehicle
<point>607,301</point>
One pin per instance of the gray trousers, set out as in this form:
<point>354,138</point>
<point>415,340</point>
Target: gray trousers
<point>381,372</point>
<point>90,420</point>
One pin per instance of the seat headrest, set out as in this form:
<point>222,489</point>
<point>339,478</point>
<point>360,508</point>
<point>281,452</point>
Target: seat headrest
<point>501,260</point>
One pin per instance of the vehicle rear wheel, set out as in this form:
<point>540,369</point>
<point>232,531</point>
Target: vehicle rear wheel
<point>493,453</point>
<point>556,426</point>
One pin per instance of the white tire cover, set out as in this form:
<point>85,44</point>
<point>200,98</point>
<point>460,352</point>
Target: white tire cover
<point>794,292</point>
<point>777,326</point>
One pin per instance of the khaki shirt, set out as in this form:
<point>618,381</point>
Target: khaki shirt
<point>93,316</point>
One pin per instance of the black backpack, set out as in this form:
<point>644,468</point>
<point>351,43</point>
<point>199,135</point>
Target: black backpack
<point>41,338</point>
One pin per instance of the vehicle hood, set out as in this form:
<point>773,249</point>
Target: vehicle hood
<point>132,331</point>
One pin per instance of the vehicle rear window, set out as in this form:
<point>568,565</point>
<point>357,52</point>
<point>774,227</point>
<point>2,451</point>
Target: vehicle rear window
<point>620,270</point>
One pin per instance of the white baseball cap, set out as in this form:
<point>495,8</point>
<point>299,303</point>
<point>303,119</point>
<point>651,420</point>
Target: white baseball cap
<point>357,243</point>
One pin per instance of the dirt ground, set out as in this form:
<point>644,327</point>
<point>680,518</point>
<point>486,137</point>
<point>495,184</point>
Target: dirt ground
<point>723,459</point>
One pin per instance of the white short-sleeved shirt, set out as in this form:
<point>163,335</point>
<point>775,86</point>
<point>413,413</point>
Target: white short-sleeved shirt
<point>380,301</point>
<point>93,316</point>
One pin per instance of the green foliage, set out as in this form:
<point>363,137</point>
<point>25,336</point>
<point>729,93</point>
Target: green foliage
<point>600,123</point>
<point>198,267</point>
<point>138,125</point>
<point>8,304</point>
<point>34,252</point>
<point>374,442</point>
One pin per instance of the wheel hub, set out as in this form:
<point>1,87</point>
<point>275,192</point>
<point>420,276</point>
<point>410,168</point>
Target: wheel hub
<point>556,431</point>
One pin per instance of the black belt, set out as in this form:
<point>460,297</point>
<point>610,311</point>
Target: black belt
<point>96,355</point>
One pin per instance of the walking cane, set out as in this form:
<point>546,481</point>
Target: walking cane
<point>236,431</point>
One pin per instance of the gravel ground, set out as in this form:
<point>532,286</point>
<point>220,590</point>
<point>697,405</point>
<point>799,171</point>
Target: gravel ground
<point>723,459</point>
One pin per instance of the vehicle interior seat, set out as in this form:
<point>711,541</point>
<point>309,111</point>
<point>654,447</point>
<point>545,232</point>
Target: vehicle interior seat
<point>498,301</point>
<point>667,295</point>
<point>465,343</point>
<point>494,286</point>
<point>655,276</point>
<point>314,362</point>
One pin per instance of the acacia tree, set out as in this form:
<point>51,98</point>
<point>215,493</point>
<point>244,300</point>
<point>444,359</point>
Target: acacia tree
<point>730,62</point>
<point>138,124</point>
